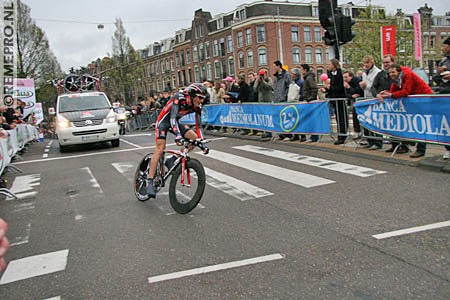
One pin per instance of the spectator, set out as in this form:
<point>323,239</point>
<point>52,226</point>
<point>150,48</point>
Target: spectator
<point>352,92</point>
<point>369,74</point>
<point>244,90</point>
<point>382,82</point>
<point>281,83</point>
<point>443,78</point>
<point>264,89</point>
<point>253,96</point>
<point>295,94</point>
<point>404,83</point>
<point>309,91</point>
<point>243,96</point>
<point>231,90</point>
<point>4,244</point>
<point>337,91</point>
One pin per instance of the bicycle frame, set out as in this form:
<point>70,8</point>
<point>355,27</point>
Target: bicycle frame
<point>182,157</point>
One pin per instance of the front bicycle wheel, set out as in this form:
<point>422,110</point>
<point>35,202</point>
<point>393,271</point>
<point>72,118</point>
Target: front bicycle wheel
<point>184,198</point>
<point>140,175</point>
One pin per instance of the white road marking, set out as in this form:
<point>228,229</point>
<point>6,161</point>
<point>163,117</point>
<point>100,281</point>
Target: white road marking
<point>313,161</point>
<point>130,143</point>
<point>294,177</point>
<point>37,265</point>
<point>93,180</point>
<point>23,186</point>
<point>19,240</point>
<point>134,135</point>
<point>214,268</point>
<point>46,150</point>
<point>411,230</point>
<point>125,168</point>
<point>54,298</point>
<point>45,155</point>
<point>234,187</point>
<point>96,153</point>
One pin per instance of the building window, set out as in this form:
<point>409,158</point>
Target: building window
<point>250,58</point>
<point>217,71</point>
<point>203,74</point>
<point>240,39</point>
<point>317,34</point>
<point>222,47</point>
<point>262,56</point>
<point>327,55</point>
<point>201,52</point>
<point>177,58</point>
<point>231,66</point>
<point>318,55</point>
<point>296,56</point>
<point>308,55</point>
<point>248,36</point>
<point>220,23</point>
<point>209,72</point>
<point>260,34</point>
<point>188,55</point>
<point>196,74</point>
<point>230,44</point>
<point>241,60</point>
<point>315,11</point>
<point>294,33</point>
<point>172,67</point>
<point>207,50</point>
<point>215,48</point>
<point>319,72</point>
<point>307,33</point>
<point>194,54</point>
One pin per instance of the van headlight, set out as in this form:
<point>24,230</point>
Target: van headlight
<point>63,122</point>
<point>111,117</point>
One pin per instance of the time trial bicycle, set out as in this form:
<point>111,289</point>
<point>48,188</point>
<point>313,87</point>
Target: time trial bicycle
<point>188,180</point>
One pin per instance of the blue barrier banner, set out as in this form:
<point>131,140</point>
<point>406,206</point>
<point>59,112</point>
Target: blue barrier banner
<point>306,118</point>
<point>422,118</point>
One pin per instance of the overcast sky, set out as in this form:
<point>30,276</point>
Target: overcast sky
<point>77,41</point>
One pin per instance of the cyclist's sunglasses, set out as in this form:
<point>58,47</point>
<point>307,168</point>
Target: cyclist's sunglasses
<point>201,96</point>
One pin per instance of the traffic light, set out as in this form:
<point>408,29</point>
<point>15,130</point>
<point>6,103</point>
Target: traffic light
<point>345,33</point>
<point>332,31</point>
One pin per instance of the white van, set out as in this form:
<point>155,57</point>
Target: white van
<point>83,118</point>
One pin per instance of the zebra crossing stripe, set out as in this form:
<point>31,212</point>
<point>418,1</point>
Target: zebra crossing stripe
<point>234,187</point>
<point>23,186</point>
<point>313,161</point>
<point>37,265</point>
<point>294,177</point>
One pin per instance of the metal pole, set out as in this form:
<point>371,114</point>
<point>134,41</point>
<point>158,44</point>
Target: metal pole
<point>279,35</point>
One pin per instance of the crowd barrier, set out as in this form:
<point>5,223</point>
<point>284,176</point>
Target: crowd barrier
<point>416,118</point>
<point>144,120</point>
<point>17,139</point>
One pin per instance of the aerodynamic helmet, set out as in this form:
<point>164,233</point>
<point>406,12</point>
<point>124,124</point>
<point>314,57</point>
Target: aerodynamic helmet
<point>196,89</point>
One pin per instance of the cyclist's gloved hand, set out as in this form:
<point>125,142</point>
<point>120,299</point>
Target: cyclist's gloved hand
<point>179,140</point>
<point>204,146</point>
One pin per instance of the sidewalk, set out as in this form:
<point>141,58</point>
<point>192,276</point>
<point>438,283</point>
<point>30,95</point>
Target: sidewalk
<point>432,159</point>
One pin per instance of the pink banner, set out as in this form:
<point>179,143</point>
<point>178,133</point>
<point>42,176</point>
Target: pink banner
<point>388,40</point>
<point>417,37</point>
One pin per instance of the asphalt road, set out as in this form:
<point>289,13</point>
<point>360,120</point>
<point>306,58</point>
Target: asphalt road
<point>276,222</point>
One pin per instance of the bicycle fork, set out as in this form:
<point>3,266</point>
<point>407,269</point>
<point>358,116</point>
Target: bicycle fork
<point>185,174</point>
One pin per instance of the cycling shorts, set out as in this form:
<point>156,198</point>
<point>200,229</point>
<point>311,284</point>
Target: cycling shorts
<point>164,126</point>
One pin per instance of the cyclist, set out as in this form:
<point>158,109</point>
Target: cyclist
<point>182,103</point>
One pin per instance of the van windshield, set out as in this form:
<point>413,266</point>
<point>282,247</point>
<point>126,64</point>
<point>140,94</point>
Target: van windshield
<point>83,102</point>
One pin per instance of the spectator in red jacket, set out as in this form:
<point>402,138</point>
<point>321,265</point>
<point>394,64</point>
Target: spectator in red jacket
<point>404,83</point>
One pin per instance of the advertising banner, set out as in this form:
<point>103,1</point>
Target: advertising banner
<point>388,40</point>
<point>307,118</point>
<point>417,37</point>
<point>24,90</point>
<point>38,113</point>
<point>423,118</point>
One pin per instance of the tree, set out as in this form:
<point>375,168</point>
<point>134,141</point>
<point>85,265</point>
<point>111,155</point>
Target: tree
<point>35,59</point>
<point>368,40</point>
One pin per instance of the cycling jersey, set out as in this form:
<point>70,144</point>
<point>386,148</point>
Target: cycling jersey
<point>178,106</point>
